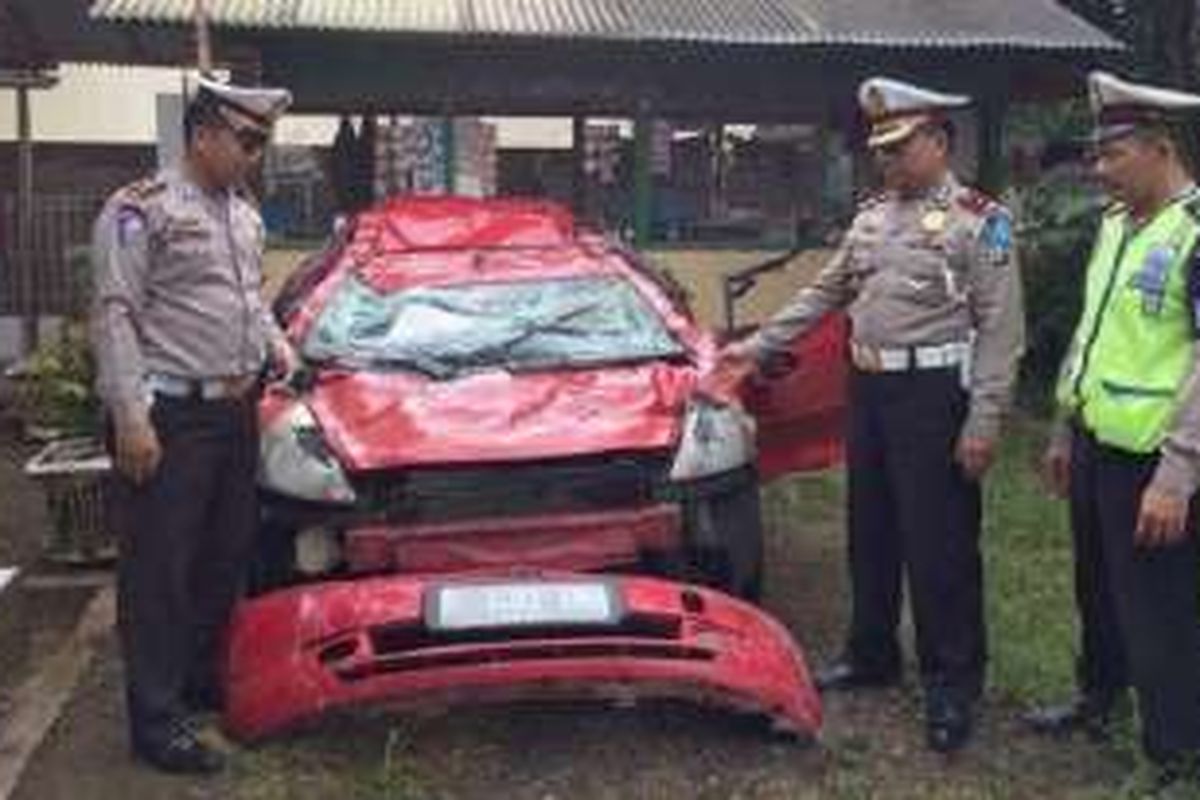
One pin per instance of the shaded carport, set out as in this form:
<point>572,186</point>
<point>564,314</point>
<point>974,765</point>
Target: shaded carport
<point>795,61</point>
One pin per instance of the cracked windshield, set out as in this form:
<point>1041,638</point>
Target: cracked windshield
<point>443,331</point>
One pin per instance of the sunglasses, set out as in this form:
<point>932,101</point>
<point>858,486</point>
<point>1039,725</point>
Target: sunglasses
<point>251,140</point>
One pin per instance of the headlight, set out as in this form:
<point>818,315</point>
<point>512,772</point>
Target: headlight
<point>715,439</point>
<point>294,460</point>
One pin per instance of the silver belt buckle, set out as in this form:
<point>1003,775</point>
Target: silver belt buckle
<point>231,387</point>
<point>169,385</point>
<point>895,360</point>
<point>940,356</point>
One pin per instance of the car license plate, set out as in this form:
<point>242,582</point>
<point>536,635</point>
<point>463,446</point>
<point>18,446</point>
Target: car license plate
<point>505,605</point>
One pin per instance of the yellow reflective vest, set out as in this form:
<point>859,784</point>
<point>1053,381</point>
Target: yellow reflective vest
<point>1132,349</point>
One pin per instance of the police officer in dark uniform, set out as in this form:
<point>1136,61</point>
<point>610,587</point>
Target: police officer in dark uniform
<point>180,335</point>
<point>929,277</point>
<point>1127,448</point>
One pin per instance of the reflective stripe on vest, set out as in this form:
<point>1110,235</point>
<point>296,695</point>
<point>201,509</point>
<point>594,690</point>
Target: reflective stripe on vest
<point>1132,349</point>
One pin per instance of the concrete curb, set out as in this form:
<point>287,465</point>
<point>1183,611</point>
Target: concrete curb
<point>38,703</point>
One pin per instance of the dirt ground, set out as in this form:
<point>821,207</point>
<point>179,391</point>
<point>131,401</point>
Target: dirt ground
<point>871,747</point>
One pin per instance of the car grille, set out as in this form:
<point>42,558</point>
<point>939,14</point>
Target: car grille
<point>593,483</point>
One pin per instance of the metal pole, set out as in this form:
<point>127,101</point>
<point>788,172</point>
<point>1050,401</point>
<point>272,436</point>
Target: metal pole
<point>26,267</point>
<point>203,41</point>
<point>992,112</point>
<point>578,172</point>
<point>449,155</point>
<point>643,200</point>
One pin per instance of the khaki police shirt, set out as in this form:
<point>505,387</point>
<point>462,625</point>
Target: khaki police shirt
<point>926,270</point>
<point>178,274</point>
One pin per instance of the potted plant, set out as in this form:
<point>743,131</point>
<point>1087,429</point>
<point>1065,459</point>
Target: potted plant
<point>57,405</point>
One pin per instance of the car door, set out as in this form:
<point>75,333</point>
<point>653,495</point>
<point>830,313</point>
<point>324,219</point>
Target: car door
<point>800,408</point>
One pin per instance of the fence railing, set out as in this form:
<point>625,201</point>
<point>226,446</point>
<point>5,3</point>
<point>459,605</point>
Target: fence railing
<point>53,277</point>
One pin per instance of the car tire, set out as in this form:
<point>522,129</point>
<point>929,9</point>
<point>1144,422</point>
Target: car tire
<point>725,538</point>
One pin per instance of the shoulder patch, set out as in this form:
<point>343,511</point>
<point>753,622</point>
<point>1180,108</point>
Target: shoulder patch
<point>131,223</point>
<point>996,237</point>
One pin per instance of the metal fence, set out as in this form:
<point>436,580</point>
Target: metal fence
<point>57,278</point>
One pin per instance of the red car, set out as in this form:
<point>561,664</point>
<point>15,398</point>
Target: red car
<point>499,416</point>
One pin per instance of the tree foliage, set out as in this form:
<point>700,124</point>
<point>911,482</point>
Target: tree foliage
<point>1161,34</point>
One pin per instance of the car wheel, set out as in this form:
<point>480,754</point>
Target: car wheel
<point>726,539</point>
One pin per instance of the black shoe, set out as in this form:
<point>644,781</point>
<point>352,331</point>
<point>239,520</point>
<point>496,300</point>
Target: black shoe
<point>949,723</point>
<point>845,675</point>
<point>179,752</point>
<point>1088,712</point>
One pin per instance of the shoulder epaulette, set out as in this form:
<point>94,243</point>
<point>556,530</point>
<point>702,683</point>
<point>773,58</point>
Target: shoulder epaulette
<point>978,203</point>
<point>1113,209</point>
<point>1192,204</point>
<point>142,190</point>
<point>871,200</point>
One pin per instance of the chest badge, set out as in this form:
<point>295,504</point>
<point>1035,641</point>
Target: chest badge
<point>1151,278</point>
<point>934,221</point>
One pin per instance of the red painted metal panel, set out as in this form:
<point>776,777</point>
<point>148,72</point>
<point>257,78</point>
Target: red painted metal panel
<point>302,653</point>
<point>575,541</point>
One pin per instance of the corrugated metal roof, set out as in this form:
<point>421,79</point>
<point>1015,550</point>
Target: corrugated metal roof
<point>1040,24</point>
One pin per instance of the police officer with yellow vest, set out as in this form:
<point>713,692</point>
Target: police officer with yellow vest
<point>928,275</point>
<point>1128,450</point>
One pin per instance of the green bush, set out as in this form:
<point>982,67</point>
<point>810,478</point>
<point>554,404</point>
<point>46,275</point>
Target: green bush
<point>55,386</point>
<point>1059,215</point>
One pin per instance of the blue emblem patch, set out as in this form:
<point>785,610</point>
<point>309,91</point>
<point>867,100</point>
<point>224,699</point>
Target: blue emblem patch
<point>997,239</point>
<point>131,222</point>
<point>1151,278</point>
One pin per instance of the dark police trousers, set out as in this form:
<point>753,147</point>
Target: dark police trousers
<point>913,511</point>
<point>186,537</point>
<point>1138,608</point>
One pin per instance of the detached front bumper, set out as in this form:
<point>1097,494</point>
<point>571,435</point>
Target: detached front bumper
<point>304,652</point>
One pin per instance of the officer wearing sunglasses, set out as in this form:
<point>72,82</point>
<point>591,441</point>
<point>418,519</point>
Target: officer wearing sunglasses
<point>180,335</point>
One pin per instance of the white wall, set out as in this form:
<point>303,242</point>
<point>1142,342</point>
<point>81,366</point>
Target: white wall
<point>107,104</point>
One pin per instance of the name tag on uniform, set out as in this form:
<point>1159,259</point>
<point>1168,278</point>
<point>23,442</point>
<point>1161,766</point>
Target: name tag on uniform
<point>186,228</point>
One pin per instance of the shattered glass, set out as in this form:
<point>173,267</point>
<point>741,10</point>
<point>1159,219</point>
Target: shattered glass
<point>442,331</point>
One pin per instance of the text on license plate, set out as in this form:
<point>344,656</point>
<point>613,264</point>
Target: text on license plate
<point>488,605</point>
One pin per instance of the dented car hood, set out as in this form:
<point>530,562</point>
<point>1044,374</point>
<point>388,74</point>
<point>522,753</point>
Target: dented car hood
<point>375,420</point>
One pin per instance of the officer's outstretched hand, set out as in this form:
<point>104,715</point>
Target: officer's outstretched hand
<point>1056,467</point>
<point>285,361</point>
<point>735,362</point>
<point>1162,520</point>
<point>138,449</point>
<point>975,454</point>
